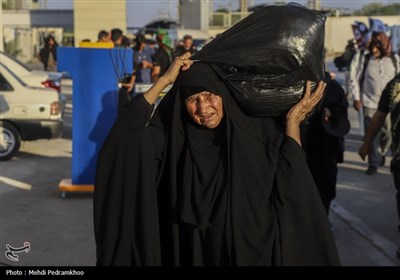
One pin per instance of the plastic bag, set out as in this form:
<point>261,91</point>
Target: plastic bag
<point>266,58</point>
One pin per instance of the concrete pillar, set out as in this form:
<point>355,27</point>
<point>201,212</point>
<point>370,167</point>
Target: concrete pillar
<point>194,14</point>
<point>92,16</point>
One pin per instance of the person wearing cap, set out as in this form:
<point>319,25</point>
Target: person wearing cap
<point>388,103</point>
<point>162,58</point>
<point>198,182</point>
<point>323,139</point>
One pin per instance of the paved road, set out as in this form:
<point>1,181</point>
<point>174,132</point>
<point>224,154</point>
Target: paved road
<point>366,202</point>
<point>60,231</point>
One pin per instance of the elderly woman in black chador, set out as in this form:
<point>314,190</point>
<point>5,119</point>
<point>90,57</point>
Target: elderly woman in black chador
<point>201,183</point>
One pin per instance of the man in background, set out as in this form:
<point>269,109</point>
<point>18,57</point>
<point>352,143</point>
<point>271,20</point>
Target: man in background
<point>162,59</point>
<point>103,36</point>
<point>187,46</point>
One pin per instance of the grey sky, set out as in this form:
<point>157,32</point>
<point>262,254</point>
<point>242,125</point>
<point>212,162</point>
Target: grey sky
<point>141,12</point>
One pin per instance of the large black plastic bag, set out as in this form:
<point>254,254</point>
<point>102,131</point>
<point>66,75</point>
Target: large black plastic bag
<point>266,58</point>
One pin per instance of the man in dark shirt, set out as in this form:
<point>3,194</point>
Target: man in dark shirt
<point>162,59</point>
<point>388,103</point>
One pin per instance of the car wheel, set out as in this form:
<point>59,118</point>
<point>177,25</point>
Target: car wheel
<point>10,141</point>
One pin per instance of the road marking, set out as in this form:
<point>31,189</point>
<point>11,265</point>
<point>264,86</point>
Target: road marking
<point>15,183</point>
<point>386,247</point>
<point>383,170</point>
<point>356,187</point>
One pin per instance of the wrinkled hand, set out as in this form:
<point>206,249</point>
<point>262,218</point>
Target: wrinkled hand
<point>364,151</point>
<point>181,62</point>
<point>299,112</point>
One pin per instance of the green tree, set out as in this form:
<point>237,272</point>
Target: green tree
<point>377,9</point>
<point>222,10</point>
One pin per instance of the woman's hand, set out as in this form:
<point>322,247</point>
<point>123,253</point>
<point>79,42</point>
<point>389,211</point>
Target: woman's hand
<point>181,62</point>
<point>299,111</point>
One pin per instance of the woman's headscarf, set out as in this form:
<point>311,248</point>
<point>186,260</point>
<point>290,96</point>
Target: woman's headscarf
<point>382,42</point>
<point>201,164</point>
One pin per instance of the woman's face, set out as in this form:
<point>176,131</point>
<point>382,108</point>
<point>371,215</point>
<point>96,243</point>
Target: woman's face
<point>205,108</point>
<point>375,51</point>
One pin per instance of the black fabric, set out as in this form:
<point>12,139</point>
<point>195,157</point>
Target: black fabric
<point>203,178</point>
<point>163,59</point>
<point>123,100</point>
<point>272,52</point>
<point>396,177</point>
<point>125,213</point>
<point>45,53</point>
<point>271,214</point>
<point>390,103</point>
<point>325,150</point>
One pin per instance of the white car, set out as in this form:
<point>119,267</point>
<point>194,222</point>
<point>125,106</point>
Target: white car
<point>34,78</point>
<point>26,113</point>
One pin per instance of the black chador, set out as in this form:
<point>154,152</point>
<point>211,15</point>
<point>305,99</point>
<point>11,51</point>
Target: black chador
<point>169,192</point>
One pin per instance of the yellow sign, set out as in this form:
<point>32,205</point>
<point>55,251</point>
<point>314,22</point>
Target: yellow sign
<point>97,45</point>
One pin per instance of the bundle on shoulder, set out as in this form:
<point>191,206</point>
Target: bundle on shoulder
<point>266,58</point>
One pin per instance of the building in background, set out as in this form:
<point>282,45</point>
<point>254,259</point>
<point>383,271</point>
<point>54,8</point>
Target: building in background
<point>25,25</point>
<point>26,22</point>
<point>20,4</point>
<point>195,14</point>
<point>90,17</point>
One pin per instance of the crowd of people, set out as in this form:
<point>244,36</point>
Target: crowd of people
<point>151,58</point>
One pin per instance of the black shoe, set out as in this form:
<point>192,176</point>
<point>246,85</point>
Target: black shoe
<point>371,170</point>
<point>383,161</point>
